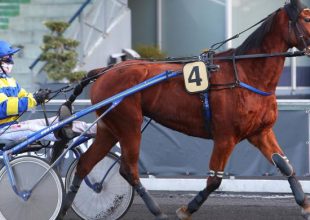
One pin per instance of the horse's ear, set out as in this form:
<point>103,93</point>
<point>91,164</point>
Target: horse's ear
<point>298,5</point>
<point>294,2</point>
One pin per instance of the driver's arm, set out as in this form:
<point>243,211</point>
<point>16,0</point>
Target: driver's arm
<point>14,105</point>
<point>24,94</point>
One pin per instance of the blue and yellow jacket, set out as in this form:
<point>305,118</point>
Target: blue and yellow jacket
<point>13,100</point>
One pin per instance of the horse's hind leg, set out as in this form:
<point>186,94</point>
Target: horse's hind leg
<point>221,152</point>
<point>266,142</point>
<point>98,150</point>
<point>129,170</point>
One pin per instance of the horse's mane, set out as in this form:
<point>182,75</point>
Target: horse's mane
<point>256,38</point>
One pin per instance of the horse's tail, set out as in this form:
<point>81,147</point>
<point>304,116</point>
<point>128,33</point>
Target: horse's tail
<point>90,77</point>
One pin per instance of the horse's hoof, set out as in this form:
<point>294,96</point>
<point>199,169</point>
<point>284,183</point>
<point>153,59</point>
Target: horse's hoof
<point>183,214</point>
<point>305,214</point>
<point>161,217</point>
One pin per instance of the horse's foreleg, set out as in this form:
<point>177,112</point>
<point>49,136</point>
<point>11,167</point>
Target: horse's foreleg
<point>129,170</point>
<point>98,150</point>
<point>220,155</point>
<point>266,142</point>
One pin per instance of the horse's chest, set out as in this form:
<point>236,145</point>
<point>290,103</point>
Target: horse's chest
<point>254,116</point>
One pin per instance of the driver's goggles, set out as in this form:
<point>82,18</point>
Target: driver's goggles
<point>7,59</point>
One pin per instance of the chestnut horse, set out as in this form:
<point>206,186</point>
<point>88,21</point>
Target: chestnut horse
<point>237,113</point>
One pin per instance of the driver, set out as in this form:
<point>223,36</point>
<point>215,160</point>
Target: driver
<point>15,100</point>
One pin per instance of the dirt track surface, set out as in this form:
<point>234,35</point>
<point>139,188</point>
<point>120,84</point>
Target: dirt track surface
<point>219,206</point>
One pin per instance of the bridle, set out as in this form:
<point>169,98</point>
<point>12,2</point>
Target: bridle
<point>293,12</point>
<point>300,32</point>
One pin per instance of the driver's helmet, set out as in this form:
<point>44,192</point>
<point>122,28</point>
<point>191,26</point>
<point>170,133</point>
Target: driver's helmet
<point>7,49</point>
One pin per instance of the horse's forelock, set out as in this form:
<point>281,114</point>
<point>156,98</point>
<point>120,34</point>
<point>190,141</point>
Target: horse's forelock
<point>294,8</point>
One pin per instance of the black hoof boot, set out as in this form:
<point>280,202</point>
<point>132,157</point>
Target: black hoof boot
<point>67,202</point>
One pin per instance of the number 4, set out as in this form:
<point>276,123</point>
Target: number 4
<point>195,77</point>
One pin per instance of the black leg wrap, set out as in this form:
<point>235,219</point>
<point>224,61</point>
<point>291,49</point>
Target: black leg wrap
<point>199,199</point>
<point>70,196</point>
<point>151,204</point>
<point>213,183</point>
<point>299,194</point>
<point>282,164</point>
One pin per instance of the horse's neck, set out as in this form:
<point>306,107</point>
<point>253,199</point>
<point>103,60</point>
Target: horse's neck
<point>265,73</point>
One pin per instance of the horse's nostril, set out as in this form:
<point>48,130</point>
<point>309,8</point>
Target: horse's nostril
<point>307,19</point>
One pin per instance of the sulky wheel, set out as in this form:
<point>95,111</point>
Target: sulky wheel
<point>46,198</point>
<point>112,201</point>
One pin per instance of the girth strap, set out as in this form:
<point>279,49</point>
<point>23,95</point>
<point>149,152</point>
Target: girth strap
<point>206,110</point>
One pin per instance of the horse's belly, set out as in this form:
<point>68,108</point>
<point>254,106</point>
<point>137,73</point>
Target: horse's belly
<point>183,113</point>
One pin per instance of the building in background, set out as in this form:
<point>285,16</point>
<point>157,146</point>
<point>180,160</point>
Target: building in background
<point>103,28</point>
<point>180,28</point>
<point>186,28</point>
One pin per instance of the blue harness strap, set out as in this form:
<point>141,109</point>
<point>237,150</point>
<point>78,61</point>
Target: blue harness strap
<point>251,88</point>
<point>206,105</point>
<point>206,110</point>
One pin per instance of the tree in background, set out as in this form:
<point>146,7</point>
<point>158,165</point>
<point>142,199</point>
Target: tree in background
<point>60,54</point>
<point>150,52</point>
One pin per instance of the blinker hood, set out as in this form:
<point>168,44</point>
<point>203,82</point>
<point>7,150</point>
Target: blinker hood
<point>295,7</point>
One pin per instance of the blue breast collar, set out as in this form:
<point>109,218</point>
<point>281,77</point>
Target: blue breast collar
<point>253,89</point>
<point>207,108</point>
<point>237,83</point>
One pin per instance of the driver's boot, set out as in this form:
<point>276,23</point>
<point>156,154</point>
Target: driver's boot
<point>66,131</point>
<point>64,134</point>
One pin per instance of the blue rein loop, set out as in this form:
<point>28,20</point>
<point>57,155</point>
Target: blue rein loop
<point>251,88</point>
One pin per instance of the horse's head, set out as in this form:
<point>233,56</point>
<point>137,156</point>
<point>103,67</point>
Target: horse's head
<point>299,27</point>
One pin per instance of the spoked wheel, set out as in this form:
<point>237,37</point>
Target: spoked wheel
<point>46,198</point>
<point>112,201</point>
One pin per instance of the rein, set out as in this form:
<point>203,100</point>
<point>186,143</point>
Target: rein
<point>204,57</point>
<point>64,89</point>
<point>219,44</point>
<point>253,56</point>
<point>207,57</point>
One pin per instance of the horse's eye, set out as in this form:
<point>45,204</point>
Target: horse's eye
<point>307,19</point>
